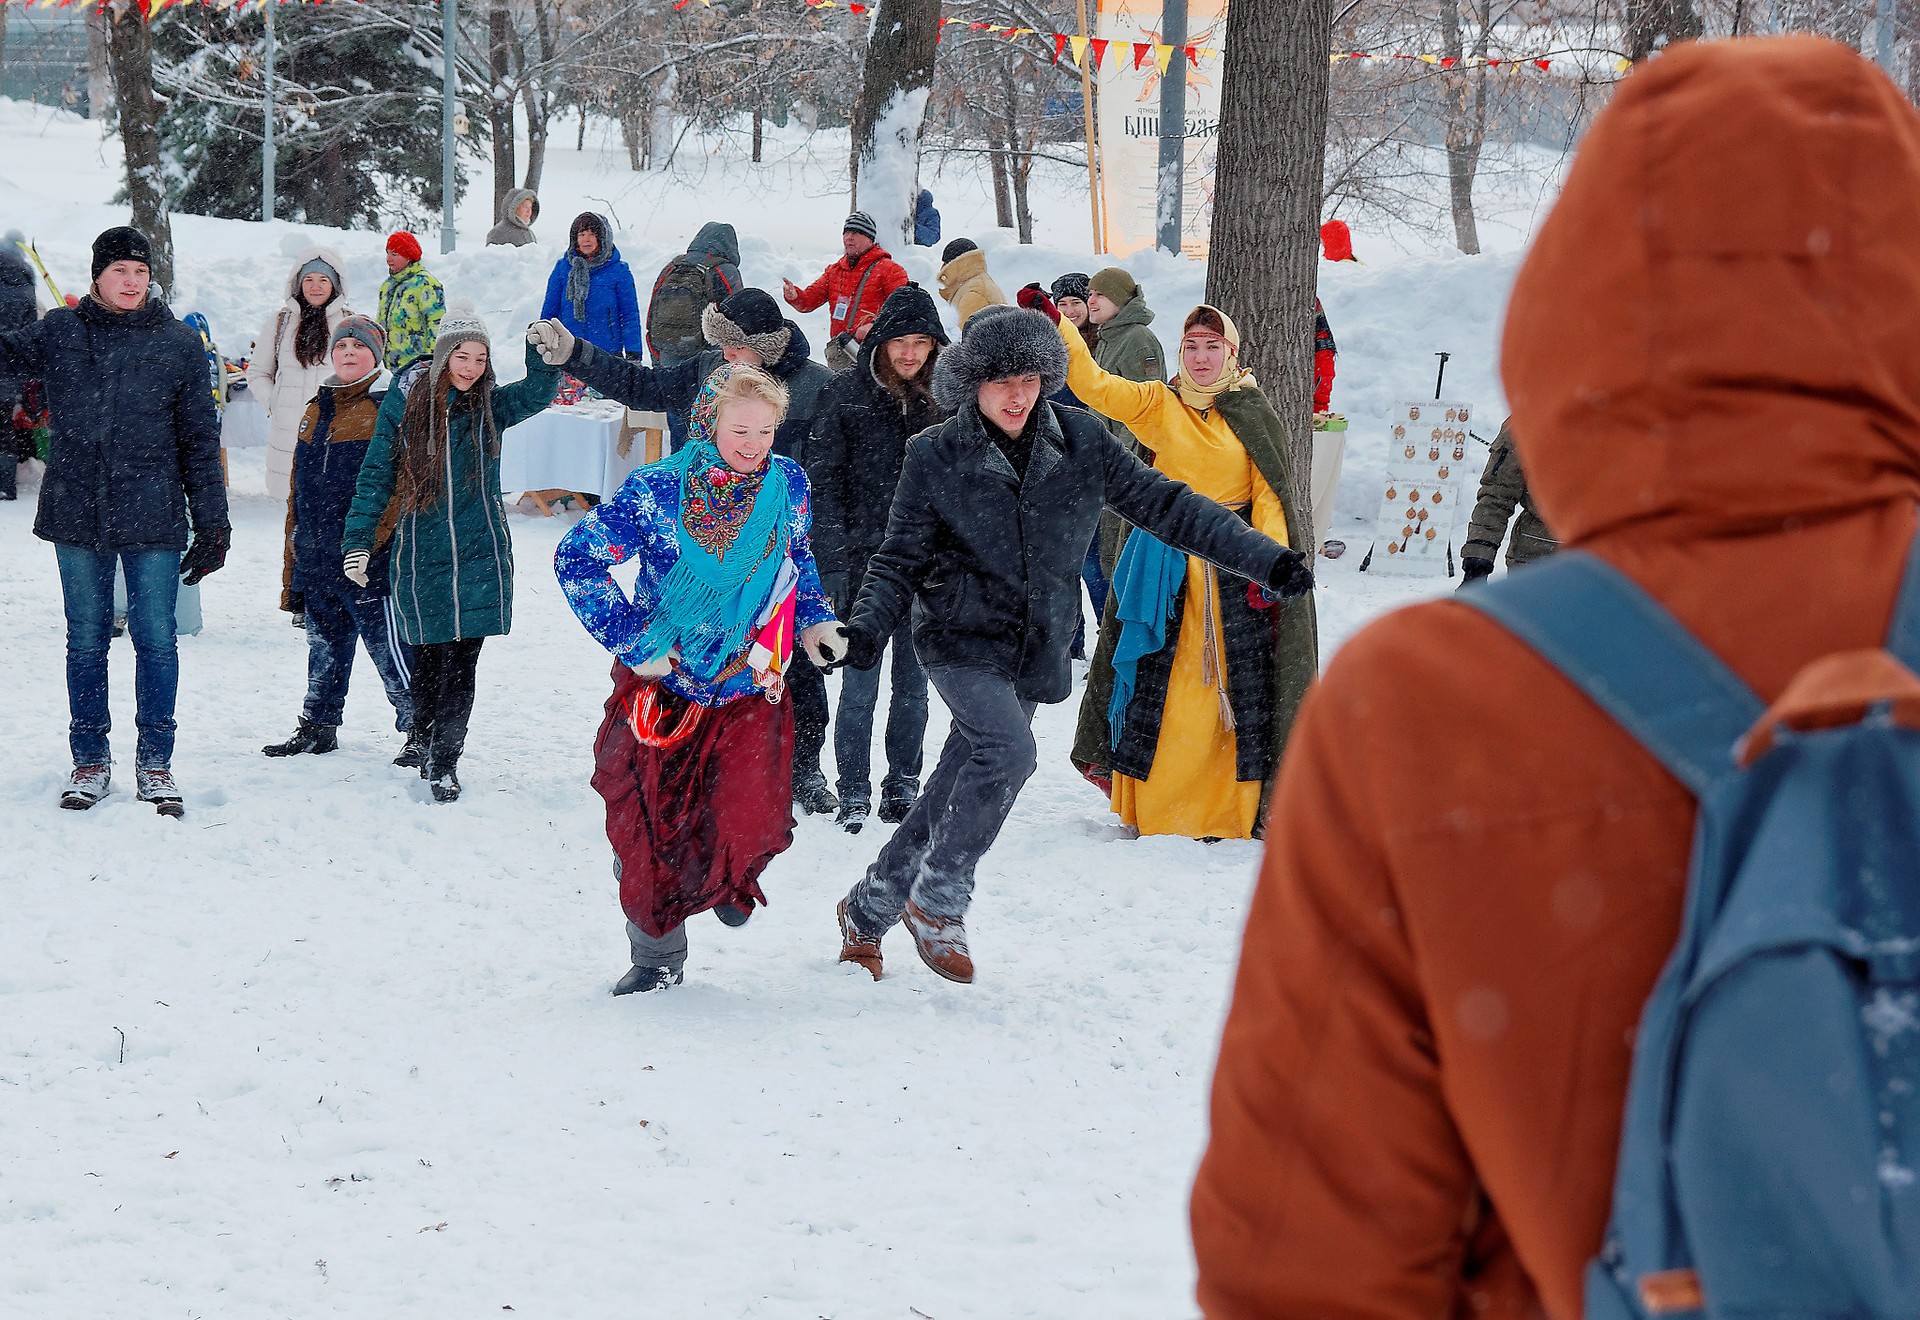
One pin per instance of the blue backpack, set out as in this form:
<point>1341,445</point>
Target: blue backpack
<point>1770,1155</point>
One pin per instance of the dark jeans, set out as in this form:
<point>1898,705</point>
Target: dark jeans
<point>906,724</point>
<point>807,690</point>
<point>443,699</point>
<point>153,587</point>
<point>931,857</point>
<point>335,622</point>
<point>1095,577</point>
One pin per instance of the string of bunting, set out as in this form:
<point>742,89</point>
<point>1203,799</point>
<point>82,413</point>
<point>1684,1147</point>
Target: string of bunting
<point>148,8</point>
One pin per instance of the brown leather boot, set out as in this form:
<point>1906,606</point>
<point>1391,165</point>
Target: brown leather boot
<point>855,947</point>
<point>942,945</point>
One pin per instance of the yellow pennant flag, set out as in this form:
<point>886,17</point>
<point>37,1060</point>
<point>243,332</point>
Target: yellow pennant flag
<point>1429,59</point>
<point>1079,45</point>
<point>1622,66</point>
<point>1163,56</point>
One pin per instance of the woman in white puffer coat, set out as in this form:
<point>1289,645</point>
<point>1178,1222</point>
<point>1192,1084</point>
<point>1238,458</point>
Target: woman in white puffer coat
<point>291,355</point>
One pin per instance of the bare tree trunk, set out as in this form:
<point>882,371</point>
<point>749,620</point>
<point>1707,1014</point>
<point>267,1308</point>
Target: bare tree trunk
<point>633,132</point>
<point>539,113</point>
<point>1652,24</point>
<point>500,99</point>
<point>3,44</point>
<point>580,142</point>
<point>759,120</point>
<point>1465,94</point>
<point>1002,192</point>
<point>888,115</point>
<point>1266,204</point>
<point>130,47</point>
<point>659,120</point>
<point>1018,161</point>
<point>99,67</point>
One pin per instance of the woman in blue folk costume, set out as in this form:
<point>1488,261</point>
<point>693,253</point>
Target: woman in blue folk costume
<point>694,757</point>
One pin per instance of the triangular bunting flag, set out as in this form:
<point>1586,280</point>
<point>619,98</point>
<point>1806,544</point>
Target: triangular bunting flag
<point>1079,45</point>
<point>1544,65</point>
<point>1448,62</point>
<point>1192,56</point>
<point>1099,45</point>
<point>1163,56</point>
<point>1059,44</point>
<point>1620,66</point>
<point>1140,52</point>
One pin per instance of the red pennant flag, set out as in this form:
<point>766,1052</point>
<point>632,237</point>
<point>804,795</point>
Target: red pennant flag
<point>1192,58</point>
<point>980,27</point>
<point>1446,63</point>
<point>1544,64</point>
<point>1059,44</point>
<point>1493,64</point>
<point>1099,45</point>
<point>1140,52</point>
<point>858,9</point>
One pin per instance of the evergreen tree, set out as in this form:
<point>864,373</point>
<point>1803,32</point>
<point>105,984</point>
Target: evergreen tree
<point>357,111</point>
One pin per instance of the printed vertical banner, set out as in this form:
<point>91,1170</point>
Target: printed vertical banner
<point>1128,122</point>
<point>1426,462</point>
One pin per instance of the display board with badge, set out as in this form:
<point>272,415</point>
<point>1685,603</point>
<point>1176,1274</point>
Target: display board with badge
<point>1426,458</point>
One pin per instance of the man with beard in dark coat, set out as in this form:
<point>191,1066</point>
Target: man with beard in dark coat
<point>134,463</point>
<point>991,519</point>
<point>853,460</point>
<point>746,328</point>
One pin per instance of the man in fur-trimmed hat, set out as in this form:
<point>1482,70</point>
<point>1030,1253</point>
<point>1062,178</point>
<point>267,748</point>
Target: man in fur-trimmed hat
<point>989,524</point>
<point>744,328</point>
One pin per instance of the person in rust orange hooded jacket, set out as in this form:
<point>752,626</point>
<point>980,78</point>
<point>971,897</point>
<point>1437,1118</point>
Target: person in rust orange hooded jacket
<point>1713,358</point>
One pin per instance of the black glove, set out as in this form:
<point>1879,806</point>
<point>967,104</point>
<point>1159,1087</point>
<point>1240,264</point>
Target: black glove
<point>863,650</point>
<point>1037,299</point>
<point>1474,570</point>
<point>1292,575</point>
<point>207,554</point>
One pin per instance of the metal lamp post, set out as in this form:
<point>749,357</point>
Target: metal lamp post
<point>266,148</point>
<point>1173,129</point>
<point>447,89</point>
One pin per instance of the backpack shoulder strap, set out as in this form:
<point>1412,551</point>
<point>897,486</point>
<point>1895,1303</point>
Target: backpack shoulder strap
<point>1903,639</point>
<point>1632,658</point>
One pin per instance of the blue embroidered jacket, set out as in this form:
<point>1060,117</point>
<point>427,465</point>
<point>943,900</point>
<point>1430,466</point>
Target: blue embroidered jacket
<point>643,522</point>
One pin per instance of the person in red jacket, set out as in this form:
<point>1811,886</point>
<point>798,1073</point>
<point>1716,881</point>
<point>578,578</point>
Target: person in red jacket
<point>853,288</point>
<point>1324,352</point>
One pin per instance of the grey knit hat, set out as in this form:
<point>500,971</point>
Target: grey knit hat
<point>461,325</point>
<point>861,223</point>
<point>367,331</point>
<point>1000,342</point>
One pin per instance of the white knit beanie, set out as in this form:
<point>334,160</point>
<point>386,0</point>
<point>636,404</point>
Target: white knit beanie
<point>460,325</point>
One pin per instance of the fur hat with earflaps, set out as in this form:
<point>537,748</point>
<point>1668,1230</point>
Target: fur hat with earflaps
<point>1000,342</point>
<point>748,319</point>
<point>461,325</point>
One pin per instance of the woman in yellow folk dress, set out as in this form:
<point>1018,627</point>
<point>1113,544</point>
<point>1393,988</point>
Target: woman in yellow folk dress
<point>1197,676</point>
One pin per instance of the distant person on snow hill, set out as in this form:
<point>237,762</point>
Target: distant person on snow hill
<point>867,417</point>
<point>750,332</point>
<point>434,465</point>
<point>692,757</point>
<point>135,462</point>
<point>708,272</point>
<point>964,280</point>
<point>335,432</point>
<point>591,291</point>
<point>518,210</point>
<point>1475,874</point>
<point>926,221</point>
<point>290,355</point>
<point>989,523</point>
<point>411,303</point>
<point>855,288</point>
<point>1503,491</point>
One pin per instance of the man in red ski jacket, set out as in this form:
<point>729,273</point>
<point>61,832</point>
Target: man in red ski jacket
<point>854,288</point>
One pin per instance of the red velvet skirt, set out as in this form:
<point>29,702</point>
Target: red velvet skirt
<point>695,823</point>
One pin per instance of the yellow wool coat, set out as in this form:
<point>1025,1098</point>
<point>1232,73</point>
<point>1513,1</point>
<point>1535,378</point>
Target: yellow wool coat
<point>965,283</point>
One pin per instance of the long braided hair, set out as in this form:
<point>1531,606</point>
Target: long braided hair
<point>426,429</point>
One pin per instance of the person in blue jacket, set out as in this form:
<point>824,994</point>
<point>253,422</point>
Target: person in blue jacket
<point>926,221</point>
<point>591,291</point>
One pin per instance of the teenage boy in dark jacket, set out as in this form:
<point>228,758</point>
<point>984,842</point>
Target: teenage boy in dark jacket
<point>135,460</point>
<point>990,522</point>
<point>867,416</point>
<point>334,435</point>
<point>745,328</point>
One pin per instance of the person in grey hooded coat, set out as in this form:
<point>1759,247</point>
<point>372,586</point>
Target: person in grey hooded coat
<point>518,210</point>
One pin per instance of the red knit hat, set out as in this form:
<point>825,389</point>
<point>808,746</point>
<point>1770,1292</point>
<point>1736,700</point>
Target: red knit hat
<point>405,245</point>
<point>1337,239</point>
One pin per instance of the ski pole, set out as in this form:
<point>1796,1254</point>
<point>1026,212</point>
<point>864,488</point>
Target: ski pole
<point>33,255</point>
<point>1442,376</point>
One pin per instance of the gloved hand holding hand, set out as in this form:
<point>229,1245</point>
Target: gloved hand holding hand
<point>1474,570</point>
<point>1292,575</point>
<point>207,554</point>
<point>826,644</point>
<point>553,341</point>
<point>355,567</point>
<point>1039,300</point>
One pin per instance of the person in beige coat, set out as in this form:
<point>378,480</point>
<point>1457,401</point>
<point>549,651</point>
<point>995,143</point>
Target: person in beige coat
<point>290,356</point>
<point>964,281</point>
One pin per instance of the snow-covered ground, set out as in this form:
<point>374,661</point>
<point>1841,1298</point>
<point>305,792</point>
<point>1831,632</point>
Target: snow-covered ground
<point>323,1048</point>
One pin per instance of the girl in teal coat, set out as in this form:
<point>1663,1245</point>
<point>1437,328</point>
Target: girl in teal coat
<point>435,457</point>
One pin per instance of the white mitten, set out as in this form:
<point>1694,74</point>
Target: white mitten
<point>553,340</point>
<point>826,644</point>
<point>659,668</point>
<point>355,567</point>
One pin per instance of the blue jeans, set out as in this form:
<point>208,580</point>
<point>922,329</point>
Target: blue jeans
<point>1095,577</point>
<point>153,587</point>
<point>906,724</point>
<point>335,622</point>
<point>931,858</point>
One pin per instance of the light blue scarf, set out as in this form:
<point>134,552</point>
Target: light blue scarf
<point>1146,586</point>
